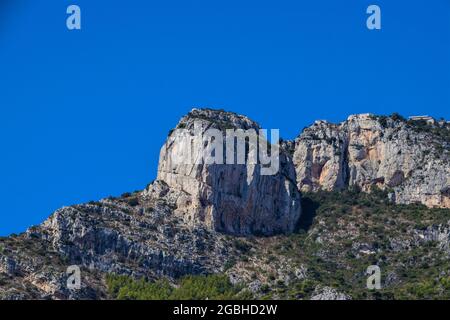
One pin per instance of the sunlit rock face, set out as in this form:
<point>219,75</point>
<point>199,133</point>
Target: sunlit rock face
<point>233,198</point>
<point>368,151</point>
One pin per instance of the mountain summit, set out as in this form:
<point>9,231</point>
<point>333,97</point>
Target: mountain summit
<point>203,218</point>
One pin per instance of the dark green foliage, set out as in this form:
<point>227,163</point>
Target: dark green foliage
<point>241,245</point>
<point>383,121</point>
<point>229,264</point>
<point>397,117</point>
<point>438,288</point>
<point>212,287</point>
<point>133,201</point>
<point>125,288</point>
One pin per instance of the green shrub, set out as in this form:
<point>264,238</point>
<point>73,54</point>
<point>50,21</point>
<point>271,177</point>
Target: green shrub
<point>212,287</point>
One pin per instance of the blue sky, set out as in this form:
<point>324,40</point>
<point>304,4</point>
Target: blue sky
<point>84,113</point>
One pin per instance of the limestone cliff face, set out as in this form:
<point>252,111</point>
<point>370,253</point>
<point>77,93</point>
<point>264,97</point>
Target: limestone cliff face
<point>368,151</point>
<point>231,198</point>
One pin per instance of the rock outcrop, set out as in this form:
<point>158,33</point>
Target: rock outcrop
<point>135,234</point>
<point>327,293</point>
<point>367,151</point>
<point>232,198</point>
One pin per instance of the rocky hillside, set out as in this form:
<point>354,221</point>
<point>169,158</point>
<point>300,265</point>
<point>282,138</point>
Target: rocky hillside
<point>409,158</point>
<point>375,191</point>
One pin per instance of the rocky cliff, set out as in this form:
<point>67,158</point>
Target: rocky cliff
<point>410,159</point>
<point>228,197</point>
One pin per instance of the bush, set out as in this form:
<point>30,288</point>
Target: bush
<point>242,246</point>
<point>212,287</point>
<point>397,117</point>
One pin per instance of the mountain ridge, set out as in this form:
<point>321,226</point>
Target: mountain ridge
<point>178,227</point>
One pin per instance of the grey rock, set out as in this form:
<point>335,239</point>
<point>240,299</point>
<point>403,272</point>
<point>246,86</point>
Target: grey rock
<point>368,151</point>
<point>231,198</point>
<point>8,265</point>
<point>327,293</point>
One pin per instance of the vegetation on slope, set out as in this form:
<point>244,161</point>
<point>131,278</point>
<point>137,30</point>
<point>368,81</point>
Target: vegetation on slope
<point>340,235</point>
<point>212,287</point>
<point>345,232</point>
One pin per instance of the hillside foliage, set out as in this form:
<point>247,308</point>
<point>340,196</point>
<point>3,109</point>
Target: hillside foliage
<point>211,287</point>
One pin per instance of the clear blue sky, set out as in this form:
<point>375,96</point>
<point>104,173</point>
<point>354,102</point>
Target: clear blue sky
<point>84,113</point>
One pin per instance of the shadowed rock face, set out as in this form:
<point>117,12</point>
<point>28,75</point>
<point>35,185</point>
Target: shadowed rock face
<point>368,151</point>
<point>231,198</point>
